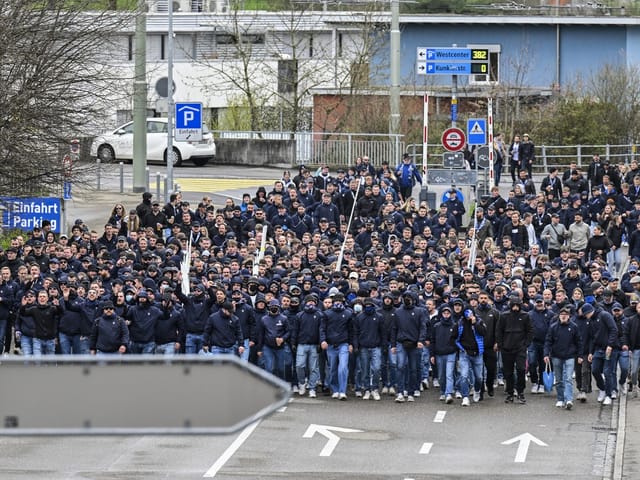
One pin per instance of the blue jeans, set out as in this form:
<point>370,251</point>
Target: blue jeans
<point>470,364</point>
<point>536,362</point>
<point>446,367</point>
<point>408,367</point>
<point>166,349</point>
<point>370,361</point>
<point>563,373</point>
<point>26,345</point>
<point>223,350</point>
<point>194,342</point>
<point>43,347</point>
<point>69,343</point>
<point>338,359</point>
<point>307,361</point>
<point>142,348</point>
<point>634,368</point>
<point>389,368</point>
<point>3,331</point>
<point>277,360</point>
<point>618,357</point>
<point>425,364</point>
<point>614,260</point>
<point>602,371</point>
<point>247,350</point>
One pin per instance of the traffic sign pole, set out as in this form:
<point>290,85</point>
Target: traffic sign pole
<point>425,138</point>
<point>490,130</point>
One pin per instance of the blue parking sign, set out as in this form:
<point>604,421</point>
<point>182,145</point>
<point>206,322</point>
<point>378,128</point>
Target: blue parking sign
<point>188,121</point>
<point>476,131</point>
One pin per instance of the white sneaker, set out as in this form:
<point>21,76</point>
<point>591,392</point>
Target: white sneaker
<point>559,404</point>
<point>476,397</point>
<point>607,401</point>
<point>442,397</point>
<point>385,390</point>
<point>343,396</point>
<point>416,393</point>
<point>367,395</point>
<point>358,394</point>
<point>436,383</point>
<point>400,398</point>
<point>601,396</point>
<point>624,388</point>
<point>569,405</point>
<point>625,244</point>
<point>312,394</point>
<point>458,395</point>
<point>410,398</point>
<point>465,402</point>
<point>335,395</point>
<point>449,399</point>
<point>534,389</point>
<point>540,388</point>
<point>301,390</point>
<point>425,383</point>
<point>582,396</point>
<point>376,396</point>
<point>392,391</point>
<point>294,389</point>
<point>501,382</point>
<point>614,395</point>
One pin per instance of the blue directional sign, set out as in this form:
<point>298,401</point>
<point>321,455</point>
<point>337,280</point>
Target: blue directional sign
<point>449,54</point>
<point>448,68</point>
<point>26,213</point>
<point>452,61</point>
<point>477,131</point>
<point>188,121</point>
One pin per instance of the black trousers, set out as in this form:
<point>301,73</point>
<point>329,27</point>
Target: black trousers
<point>490,364</point>
<point>514,362</point>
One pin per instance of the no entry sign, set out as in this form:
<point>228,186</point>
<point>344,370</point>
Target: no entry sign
<point>453,139</point>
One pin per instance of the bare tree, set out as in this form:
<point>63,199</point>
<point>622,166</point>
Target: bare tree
<point>54,80</point>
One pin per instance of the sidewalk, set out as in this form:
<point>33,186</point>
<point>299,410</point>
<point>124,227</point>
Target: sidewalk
<point>627,464</point>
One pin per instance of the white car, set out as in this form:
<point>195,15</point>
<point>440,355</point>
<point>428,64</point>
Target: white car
<point>118,145</point>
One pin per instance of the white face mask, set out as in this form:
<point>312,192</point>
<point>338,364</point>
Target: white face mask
<point>357,308</point>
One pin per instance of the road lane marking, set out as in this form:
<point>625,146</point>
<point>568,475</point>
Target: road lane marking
<point>327,432</point>
<point>231,450</point>
<point>439,418</point>
<point>426,448</point>
<point>523,442</point>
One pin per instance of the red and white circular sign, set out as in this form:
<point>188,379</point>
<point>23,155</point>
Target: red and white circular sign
<point>453,139</point>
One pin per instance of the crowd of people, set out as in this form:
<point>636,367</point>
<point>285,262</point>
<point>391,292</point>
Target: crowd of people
<point>332,281</point>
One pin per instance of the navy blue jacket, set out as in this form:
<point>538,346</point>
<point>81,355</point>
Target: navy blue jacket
<point>170,327</point>
<point>603,332</point>
<point>368,330</point>
<point>410,325</point>
<point>143,318</point>
<point>222,331</point>
<point>109,334</point>
<point>563,341</point>
<point>271,327</point>
<point>71,321</point>
<point>584,329</point>
<point>305,328</point>
<point>196,311</point>
<point>247,320</point>
<point>336,327</point>
<point>443,337</point>
<point>8,292</point>
<point>540,320</point>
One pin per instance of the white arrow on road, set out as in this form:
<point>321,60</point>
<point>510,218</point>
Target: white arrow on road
<point>332,438</point>
<point>523,446</point>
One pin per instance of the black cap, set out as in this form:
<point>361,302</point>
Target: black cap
<point>227,305</point>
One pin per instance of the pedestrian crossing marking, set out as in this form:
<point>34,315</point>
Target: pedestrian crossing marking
<point>426,448</point>
<point>477,129</point>
<point>439,418</point>
<point>192,184</point>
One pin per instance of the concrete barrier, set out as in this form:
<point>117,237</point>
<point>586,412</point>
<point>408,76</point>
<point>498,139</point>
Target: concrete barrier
<point>254,152</point>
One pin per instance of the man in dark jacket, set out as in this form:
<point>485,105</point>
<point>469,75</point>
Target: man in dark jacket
<point>443,347</point>
<point>513,333</point>
<point>368,338</point>
<point>336,337</point>
<point>222,333</point>
<point>110,334</point>
<point>305,341</point>
<point>273,341</point>
<point>142,320</point>
<point>489,316</point>
<point>470,342</point>
<point>563,345</point>
<point>45,315</point>
<point>540,320</point>
<point>603,336</point>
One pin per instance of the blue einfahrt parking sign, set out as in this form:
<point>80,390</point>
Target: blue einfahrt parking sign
<point>188,122</point>
<point>27,213</point>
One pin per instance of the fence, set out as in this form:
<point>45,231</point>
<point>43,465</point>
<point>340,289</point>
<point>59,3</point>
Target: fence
<point>337,149</point>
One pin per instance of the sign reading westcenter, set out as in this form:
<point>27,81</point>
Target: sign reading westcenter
<point>453,61</point>
<point>27,213</point>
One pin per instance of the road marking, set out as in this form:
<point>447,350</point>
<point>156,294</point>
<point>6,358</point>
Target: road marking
<point>439,418</point>
<point>523,441</point>
<point>229,452</point>
<point>426,448</point>
<point>332,438</point>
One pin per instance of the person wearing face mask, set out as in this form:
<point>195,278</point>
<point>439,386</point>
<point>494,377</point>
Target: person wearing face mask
<point>389,360</point>
<point>197,307</point>
<point>305,340</point>
<point>514,333</point>
<point>110,334</point>
<point>369,335</point>
<point>443,345</point>
<point>222,333</point>
<point>273,341</point>
<point>336,337</point>
<point>69,335</point>
<point>170,327</point>
<point>247,318</point>
<point>470,343</point>
<point>408,337</point>
<point>489,316</point>
<point>142,320</point>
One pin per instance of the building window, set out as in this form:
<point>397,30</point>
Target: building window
<point>130,48</point>
<point>310,46</point>
<point>163,47</point>
<point>339,49</point>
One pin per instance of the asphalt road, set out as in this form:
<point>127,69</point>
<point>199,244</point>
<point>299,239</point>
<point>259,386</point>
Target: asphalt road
<point>423,440</point>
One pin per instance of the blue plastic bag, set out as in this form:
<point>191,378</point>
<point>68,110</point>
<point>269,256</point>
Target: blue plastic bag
<point>548,378</point>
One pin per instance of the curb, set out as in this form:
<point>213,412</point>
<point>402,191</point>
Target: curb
<point>618,463</point>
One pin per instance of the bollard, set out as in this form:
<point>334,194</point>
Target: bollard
<point>176,187</point>
<point>166,189</point>
<point>158,186</point>
<point>121,177</point>
<point>98,173</point>
<point>146,179</point>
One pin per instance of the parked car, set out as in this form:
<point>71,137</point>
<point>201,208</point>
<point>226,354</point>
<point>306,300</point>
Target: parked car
<point>118,145</point>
